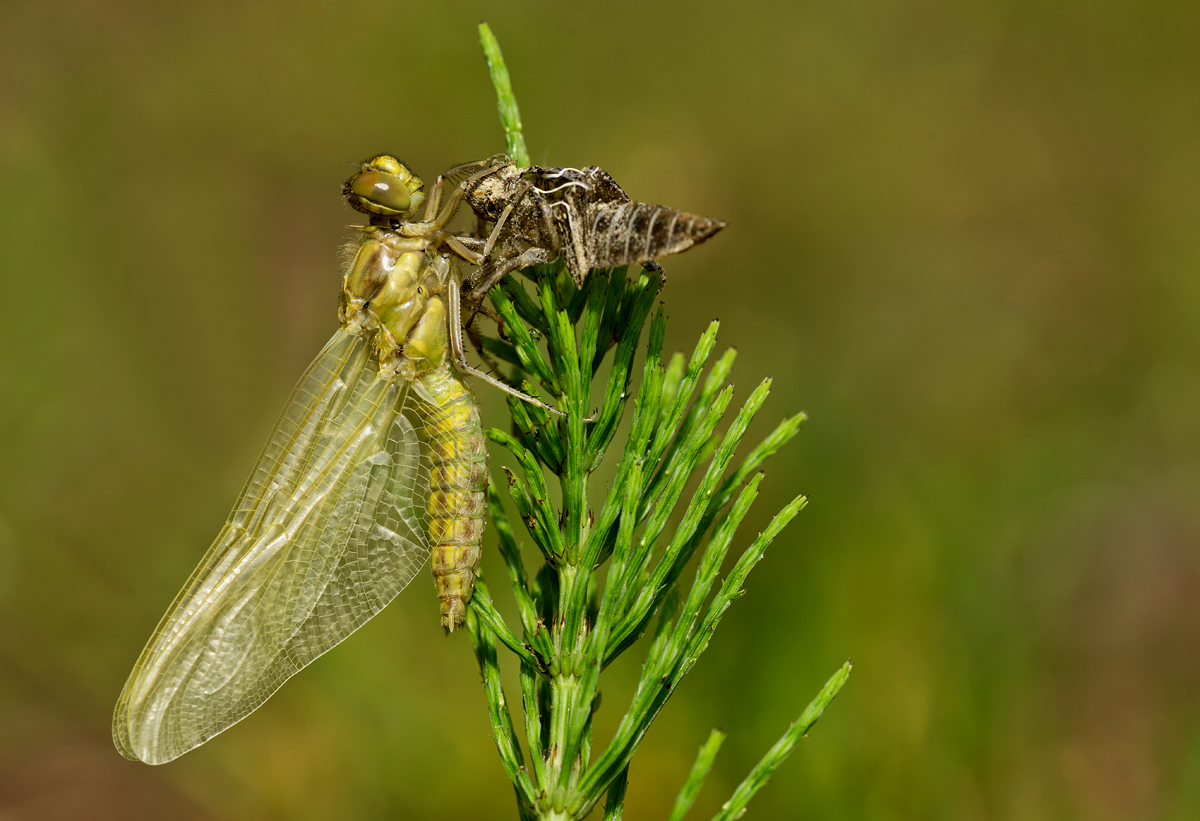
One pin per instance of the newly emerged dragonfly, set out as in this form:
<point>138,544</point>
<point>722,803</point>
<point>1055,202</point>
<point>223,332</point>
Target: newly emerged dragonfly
<point>377,462</point>
<point>582,215</point>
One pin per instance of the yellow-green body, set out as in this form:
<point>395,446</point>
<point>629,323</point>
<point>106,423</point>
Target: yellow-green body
<point>377,462</point>
<point>396,289</point>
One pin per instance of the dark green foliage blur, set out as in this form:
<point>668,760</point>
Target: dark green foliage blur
<point>964,237</point>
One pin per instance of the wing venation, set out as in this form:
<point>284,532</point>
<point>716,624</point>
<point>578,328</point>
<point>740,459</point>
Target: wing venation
<point>328,529</point>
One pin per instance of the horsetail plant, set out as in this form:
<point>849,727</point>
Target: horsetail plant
<point>574,619</point>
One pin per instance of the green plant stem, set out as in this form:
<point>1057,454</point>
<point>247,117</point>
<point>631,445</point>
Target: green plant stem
<point>614,801</point>
<point>736,805</point>
<point>608,574</point>
<point>695,779</point>
<point>506,101</point>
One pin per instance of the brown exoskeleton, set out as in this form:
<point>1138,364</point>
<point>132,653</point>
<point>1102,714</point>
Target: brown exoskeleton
<point>539,213</point>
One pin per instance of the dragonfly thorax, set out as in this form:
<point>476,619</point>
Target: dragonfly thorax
<point>393,289</point>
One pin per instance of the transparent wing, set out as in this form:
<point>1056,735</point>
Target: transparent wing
<point>329,528</point>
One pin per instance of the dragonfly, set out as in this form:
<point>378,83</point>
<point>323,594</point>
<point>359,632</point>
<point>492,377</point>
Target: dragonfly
<point>377,463</point>
<point>582,215</point>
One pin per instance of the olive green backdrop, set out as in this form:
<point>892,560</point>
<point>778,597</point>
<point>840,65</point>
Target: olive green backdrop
<point>965,237</point>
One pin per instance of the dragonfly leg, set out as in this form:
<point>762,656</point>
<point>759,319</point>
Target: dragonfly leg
<point>477,308</point>
<point>435,198</point>
<point>432,223</point>
<point>461,248</point>
<point>460,356</point>
<point>522,189</point>
<point>476,340</point>
<point>496,229</point>
<point>533,256</point>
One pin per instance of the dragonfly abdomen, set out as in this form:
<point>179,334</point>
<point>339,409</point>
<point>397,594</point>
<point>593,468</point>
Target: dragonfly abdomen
<point>456,490</point>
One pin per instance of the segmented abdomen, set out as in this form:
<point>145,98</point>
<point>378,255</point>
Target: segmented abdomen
<point>626,233</point>
<point>456,490</point>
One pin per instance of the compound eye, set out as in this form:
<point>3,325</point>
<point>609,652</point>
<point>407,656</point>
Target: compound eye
<point>381,192</point>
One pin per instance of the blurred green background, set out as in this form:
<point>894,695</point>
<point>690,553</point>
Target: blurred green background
<point>963,236</point>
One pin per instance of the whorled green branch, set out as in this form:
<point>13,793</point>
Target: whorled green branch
<point>572,623</point>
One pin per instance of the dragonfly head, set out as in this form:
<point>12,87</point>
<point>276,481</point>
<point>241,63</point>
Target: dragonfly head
<point>384,186</point>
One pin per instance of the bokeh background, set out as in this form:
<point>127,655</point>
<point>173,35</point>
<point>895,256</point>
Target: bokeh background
<point>964,236</point>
